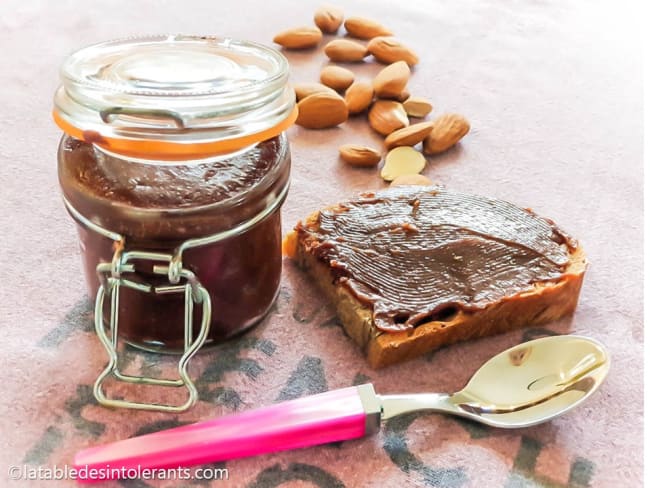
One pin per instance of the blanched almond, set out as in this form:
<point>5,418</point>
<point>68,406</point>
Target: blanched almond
<point>328,19</point>
<point>402,161</point>
<point>336,77</point>
<point>345,50</point>
<point>299,38</point>
<point>411,179</point>
<point>358,96</point>
<point>305,89</point>
<point>363,28</point>
<point>387,116</point>
<point>390,50</point>
<point>408,136</point>
<point>358,155</point>
<point>322,110</point>
<point>417,106</point>
<point>391,81</point>
<point>447,130</point>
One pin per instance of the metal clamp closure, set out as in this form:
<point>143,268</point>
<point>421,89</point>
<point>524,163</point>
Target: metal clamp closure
<point>113,276</point>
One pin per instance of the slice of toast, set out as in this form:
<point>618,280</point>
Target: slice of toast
<point>535,303</point>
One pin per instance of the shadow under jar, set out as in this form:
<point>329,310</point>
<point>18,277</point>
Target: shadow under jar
<point>174,163</point>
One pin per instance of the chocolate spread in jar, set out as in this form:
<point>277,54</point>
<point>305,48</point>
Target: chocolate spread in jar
<point>157,207</point>
<point>415,254</point>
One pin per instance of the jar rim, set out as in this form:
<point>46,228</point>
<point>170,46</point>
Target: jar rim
<point>174,96</point>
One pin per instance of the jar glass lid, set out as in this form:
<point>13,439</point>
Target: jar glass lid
<point>174,95</point>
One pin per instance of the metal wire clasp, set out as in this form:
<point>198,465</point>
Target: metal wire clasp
<point>114,275</point>
<point>112,278</point>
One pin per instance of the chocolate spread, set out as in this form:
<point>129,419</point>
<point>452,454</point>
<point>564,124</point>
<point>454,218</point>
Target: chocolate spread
<point>159,206</point>
<point>416,254</point>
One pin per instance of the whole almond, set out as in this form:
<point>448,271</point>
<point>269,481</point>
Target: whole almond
<point>447,130</point>
<point>336,77</point>
<point>363,28</point>
<point>417,106</point>
<point>391,81</point>
<point>357,155</point>
<point>387,116</point>
<point>408,136</point>
<point>402,161</point>
<point>305,89</point>
<point>411,179</point>
<point>358,96</point>
<point>345,50</point>
<point>299,38</point>
<point>390,50</point>
<point>328,19</point>
<point>322,110</point>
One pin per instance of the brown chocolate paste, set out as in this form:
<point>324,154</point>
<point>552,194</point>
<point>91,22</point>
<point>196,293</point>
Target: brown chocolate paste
<point>416,254</point>
<point>159,206</point>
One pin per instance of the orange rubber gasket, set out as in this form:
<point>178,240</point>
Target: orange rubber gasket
<point>167,150</point>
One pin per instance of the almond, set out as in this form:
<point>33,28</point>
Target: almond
<point>417,106</point>
<point>387,116</point>
<point>299,38</point>
<point>408,136</point>
<point>447,130</point>
<point>358,96</point>
<point>322,110</point>
<point>390,50</point>
<point>305,89</point>
<point>391,81</point>
<point>410,179</point>
<point>345,50</point>
<point>402,161</point>
<point>336,77</point>
<point>359,155</point>
<point>405,95</point>
<point>363,28</point>
<point>328,19</point>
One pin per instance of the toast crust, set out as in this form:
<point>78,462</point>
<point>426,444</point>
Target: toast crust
<point>542,302</point>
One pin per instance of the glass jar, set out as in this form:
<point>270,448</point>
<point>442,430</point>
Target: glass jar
<point>174,164</point>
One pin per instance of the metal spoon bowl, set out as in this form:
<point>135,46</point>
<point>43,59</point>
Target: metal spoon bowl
<point>525,385</point>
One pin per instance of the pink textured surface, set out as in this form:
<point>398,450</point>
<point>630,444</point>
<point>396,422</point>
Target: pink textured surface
<point>553,92</point>
<point>332,416</point>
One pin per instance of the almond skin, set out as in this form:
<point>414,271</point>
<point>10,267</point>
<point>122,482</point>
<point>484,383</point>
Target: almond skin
<point>447,130</point>
<point>358,96</point>
<point>336,77</point>
<point>357,155</point>
<point>387,116</point>
<point>322,110</point>
<point>391,81</point>
<point>303,90</point>
<point>328,19</point>
<point>363,28</point>
<point>408,136</point>
<point>299,38</point>
<point>345,51</point>
<point>390,50</point>
<point>417,106</point>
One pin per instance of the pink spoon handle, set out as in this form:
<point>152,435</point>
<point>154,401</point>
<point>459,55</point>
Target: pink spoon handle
<point>337,415</point>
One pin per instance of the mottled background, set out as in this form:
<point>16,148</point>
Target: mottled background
<point>553,92</point>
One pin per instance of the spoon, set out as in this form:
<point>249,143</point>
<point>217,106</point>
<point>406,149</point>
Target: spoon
<point>525,385</point>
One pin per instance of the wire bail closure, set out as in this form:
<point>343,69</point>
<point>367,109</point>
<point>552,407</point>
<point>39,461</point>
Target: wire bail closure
<point>111,279</point>
<point>114,275</point>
